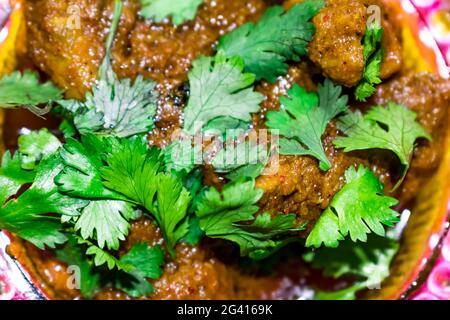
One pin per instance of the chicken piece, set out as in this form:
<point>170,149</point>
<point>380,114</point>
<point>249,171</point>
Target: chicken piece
<point>65,40</point>
<point>429,96</point>
<point>194,274</point>
<point>197,273</point>
<point>163,52</point>
<point>71,54</point>
<point>392,61</point>
<point>299,186</point>
<point>337,45</point>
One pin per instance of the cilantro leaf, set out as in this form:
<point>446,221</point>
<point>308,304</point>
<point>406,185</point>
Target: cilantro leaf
<point>222,125</point>
<point>133,285</point>
<point>145,260</point>
<point>134,267</point>
<point>393,128</point>
<point>304,118</point>
<point>342,294</point>
<point>28,215</point>
<point>134,171</point>
<point>364,89</point>
<point>233,157</point>
<point>115,106</point>
<point>100,256</point>
<point>172,204</point>
<point>325,230</point>
<point>219,88</point>
<point>19,89</point>
<point>118,107</point>
<point>236,201</point>
<point>360,207</point>
<point>241,160</point>
<point>180,10</point>
<point>73,255</point>
<point>373,57</point>
<point>193,182</point>
<point>106,221</point>
<point>81,176</point>
<point>266,234</point>
<point>195,233</point>
<point>181,156</point>
<point>35,146</point>
<point>248,171</point>
<point>67,127</point>
<point>369,262</point>
<point>12,175</point>
<point>279,36</point>
<point>222,215</point>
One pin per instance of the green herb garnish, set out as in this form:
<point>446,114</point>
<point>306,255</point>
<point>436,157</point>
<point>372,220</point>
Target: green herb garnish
<point>368,262</point>
<point>28,215</point>
<point>179,10</point>
<point>35,146</point>
<point>24,90</point>
<point>135,172</point>
<point>392,128</point>
<point>115,106</point>
<point>279,36</point>
<point>358,209</point>
<point>226,215</point>
<point>219,88</point>
<point>373,56</point>
<point>303,119</point>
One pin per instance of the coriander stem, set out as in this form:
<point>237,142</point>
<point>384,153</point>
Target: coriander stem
<point>114,25</point>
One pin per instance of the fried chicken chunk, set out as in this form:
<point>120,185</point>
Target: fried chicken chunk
<point>69,51</point>
<point>429,96</point>
<point>337,45</point>
<point>165,52</point>
<point>70,54</point>
<point>300,187</point>
<point>197,273</point>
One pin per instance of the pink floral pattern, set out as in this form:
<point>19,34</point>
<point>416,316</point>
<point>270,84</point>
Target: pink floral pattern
<point>437,286</point>
<point>13,282</point>
<point>436,15</point>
